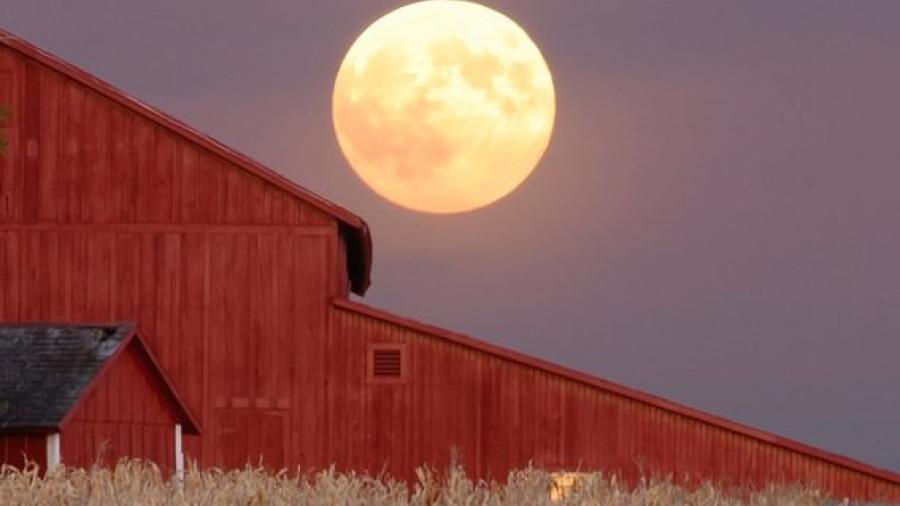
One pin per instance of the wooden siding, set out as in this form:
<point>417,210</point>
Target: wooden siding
<point>125,415</point>
<point>16,449</point>
<point>77,157</point>
<point>106,215</point>
<point>235,317</point>
<point>500,414</point>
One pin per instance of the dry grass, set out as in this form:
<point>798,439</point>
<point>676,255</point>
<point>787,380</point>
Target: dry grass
<point>135,482</point>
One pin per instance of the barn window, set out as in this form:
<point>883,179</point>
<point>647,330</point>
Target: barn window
<point>386,363</point>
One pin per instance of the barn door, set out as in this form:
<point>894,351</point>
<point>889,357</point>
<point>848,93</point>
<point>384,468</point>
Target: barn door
<point>252,361</point>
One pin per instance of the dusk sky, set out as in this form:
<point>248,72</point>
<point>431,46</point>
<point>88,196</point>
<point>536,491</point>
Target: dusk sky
<point>715,221</point>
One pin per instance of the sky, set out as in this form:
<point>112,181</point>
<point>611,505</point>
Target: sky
<point>715,221</point>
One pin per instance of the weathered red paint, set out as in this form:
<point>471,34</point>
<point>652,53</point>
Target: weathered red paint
<point>501,410</point>
<point>129,410</point>
<point>239,280</point>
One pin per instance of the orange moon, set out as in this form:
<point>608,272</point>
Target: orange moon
<point>443,106</point>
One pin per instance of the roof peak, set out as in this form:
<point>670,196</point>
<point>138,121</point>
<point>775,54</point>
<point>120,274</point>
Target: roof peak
<point>355,231</point>
<point>48,369</point>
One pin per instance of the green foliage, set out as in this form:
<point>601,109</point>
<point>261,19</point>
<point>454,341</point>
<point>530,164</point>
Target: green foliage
<point>5,115</point>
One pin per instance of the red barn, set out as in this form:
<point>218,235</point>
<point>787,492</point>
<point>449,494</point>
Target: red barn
<point>86,394</point>
<point>239,280</point>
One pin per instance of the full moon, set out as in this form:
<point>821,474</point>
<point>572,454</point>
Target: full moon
<point>443,106</point>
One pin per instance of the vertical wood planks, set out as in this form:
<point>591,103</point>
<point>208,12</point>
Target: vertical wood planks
<point>520,415</point>
<point>16,449</point>
<point>91,197</point>
<point>11,98</point>
<point>124,416</point>
<point>77,157</point>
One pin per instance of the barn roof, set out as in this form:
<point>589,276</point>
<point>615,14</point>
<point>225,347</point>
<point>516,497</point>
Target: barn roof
<point>45,371</point>
<point>354,230</point>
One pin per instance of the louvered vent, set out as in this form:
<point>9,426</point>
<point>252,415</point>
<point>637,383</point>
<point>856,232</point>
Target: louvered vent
<point>387,363</point>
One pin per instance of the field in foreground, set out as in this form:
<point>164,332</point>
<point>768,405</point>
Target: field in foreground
<point>142,484</point>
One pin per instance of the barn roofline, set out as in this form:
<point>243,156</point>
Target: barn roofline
<point>617,389</point>
<point>192,426</point>
<point>354,229</point>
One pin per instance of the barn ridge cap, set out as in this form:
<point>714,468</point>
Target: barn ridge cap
<point>354,230</point>
<point>616,389</point>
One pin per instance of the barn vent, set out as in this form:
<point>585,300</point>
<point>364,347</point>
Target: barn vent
<point>387,363</point>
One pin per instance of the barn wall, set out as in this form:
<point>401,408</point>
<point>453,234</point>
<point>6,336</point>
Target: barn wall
<point>236,318</point>
<point>125,415</point>
<point>105,215</point>
<point>15,449</point>
<point>500,415</point>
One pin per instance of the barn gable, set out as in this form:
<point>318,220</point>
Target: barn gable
<point>81,151</point>
<point>49,371</point>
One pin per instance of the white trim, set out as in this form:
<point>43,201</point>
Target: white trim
<point>179,454</point>
<point>54,458</point>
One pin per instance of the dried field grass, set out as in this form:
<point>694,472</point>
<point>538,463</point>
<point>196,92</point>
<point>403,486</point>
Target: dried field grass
<point>139,483</point>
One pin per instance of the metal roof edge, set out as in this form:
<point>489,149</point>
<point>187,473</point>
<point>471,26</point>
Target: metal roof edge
<point>615,388</point>
<point>179,128</point>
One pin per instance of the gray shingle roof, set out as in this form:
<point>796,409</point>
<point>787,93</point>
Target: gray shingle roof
<point>44,369</point>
